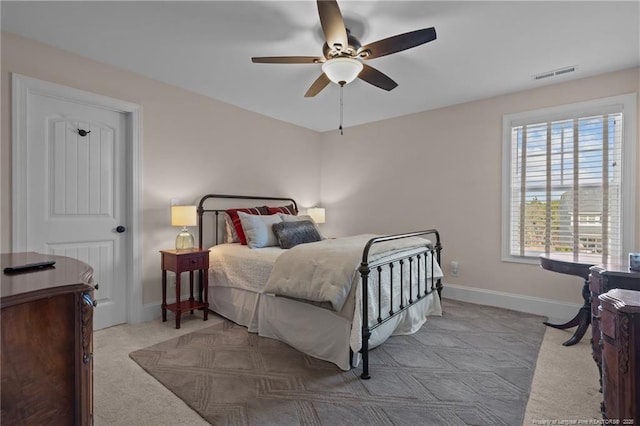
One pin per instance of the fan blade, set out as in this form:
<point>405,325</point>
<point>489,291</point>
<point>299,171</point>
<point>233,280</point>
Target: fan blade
<point>317,86</point>
<point>287,60</point>
<point>376,78</point>
<point>332,24</point>
<point>399,43</point>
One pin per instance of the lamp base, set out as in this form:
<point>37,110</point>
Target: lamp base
<point>184,240</point>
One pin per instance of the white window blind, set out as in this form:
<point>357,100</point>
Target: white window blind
<point>565,184</point>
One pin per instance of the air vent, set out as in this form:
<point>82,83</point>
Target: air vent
<point>541,76</point>
<point>555,73</point>
<point>565,70</point>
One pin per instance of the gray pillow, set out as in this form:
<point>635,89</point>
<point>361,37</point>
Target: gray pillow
<point>290,234</point>
<point>298,218</point>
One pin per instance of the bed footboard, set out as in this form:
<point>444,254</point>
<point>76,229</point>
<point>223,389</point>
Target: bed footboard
<point>410,292</point>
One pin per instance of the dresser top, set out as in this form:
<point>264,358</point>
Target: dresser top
<point>623,300</point>
<point>65,272</point>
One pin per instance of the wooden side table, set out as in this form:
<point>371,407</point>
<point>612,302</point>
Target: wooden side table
<point>578,265</point>
<point>179,261</point>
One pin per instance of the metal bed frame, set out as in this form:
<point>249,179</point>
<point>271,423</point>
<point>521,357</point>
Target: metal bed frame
<point>201,210</point>
<point>425,285</point>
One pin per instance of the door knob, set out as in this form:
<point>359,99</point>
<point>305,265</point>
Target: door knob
<point>120,229</point>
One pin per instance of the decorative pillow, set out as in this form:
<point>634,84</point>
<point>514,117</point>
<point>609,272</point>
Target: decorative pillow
<point>258,229</point>
<point>230,234</point>
<point>290,209</point>
<point>290,234</point>
<point>237,226</point>
<point>291,218</point>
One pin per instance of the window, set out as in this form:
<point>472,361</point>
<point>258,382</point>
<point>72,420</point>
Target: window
<point>568,180</point>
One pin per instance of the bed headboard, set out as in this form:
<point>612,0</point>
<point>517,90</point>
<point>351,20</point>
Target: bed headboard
<point>218,203</point>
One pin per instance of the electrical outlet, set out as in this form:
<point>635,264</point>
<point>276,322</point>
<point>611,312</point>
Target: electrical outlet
<point>454,268</point>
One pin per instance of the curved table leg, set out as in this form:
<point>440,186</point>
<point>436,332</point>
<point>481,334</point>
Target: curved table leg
<point>572,322</point>
<point>585,320</point>
<point>582,318</point>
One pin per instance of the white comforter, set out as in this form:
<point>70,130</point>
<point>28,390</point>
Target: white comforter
<point>326,271</point>
<point>238,266</point>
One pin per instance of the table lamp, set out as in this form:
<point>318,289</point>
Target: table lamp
<point>184,216</point>
<point>317,214</point>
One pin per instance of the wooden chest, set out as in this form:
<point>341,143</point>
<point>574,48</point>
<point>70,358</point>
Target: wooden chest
<point>620,341</point>
<point>46,354</point>
<point>603,278</point>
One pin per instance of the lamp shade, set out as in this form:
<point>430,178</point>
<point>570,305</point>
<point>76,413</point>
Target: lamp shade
<point>183,216</point>
<point>342,70</point>
<point>317,214</point>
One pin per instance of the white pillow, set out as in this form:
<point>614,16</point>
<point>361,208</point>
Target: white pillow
<point>298,218</point>
<point>258,229</point>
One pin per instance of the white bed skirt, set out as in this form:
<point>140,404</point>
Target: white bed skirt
<point>318,332</point>
<point>323,334</point>
<point>238,305</point>
<point>296,324</point>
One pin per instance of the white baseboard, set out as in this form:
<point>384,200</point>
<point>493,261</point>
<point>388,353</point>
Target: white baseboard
<point>151,312</point>
<point>554,310</point>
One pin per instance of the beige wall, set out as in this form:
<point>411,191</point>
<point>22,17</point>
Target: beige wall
<point>442,169</point>
<point>221,148</point>
<point>437,169</point>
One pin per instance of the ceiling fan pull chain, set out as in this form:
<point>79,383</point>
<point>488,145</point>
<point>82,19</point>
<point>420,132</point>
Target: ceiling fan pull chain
<point>341,109</point>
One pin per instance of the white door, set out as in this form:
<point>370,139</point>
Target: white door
<point>76,193</point>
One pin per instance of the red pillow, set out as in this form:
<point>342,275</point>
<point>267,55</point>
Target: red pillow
<point>290,209</point>
<point>235,219</point>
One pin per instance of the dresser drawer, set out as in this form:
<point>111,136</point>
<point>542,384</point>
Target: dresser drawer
<point>595,283</point>
<point>607,323</point>
<point>595,308</point>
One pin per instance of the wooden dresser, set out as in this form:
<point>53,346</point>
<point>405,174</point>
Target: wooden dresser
<point>620,342</point>
<point>46,354</point>
<point>603,278</point>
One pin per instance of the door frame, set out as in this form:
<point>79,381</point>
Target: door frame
<point>22,86</point>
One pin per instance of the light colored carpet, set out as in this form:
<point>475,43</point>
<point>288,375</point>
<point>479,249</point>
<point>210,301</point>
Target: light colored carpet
<point>565,384</point>
<point>124,394</point>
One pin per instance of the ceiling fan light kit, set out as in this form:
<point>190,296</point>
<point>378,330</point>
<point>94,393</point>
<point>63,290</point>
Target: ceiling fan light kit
<point>342,70</point>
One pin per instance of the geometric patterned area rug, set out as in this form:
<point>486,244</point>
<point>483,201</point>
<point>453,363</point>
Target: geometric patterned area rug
<point>472,366</point>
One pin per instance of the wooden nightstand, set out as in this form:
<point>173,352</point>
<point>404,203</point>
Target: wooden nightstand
<point>179,261</point>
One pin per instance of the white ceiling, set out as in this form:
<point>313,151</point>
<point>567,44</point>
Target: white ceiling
<point>483,49</point>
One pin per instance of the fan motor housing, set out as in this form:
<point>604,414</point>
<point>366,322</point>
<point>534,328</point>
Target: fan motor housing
<point>351,50</point>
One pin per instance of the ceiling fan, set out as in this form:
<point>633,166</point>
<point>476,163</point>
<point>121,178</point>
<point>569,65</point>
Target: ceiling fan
<point>343,52</point>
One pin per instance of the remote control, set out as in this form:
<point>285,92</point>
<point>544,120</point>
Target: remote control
<point>29,267</point>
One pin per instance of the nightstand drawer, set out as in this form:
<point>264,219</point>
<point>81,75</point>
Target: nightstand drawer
<point>191,263</point>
